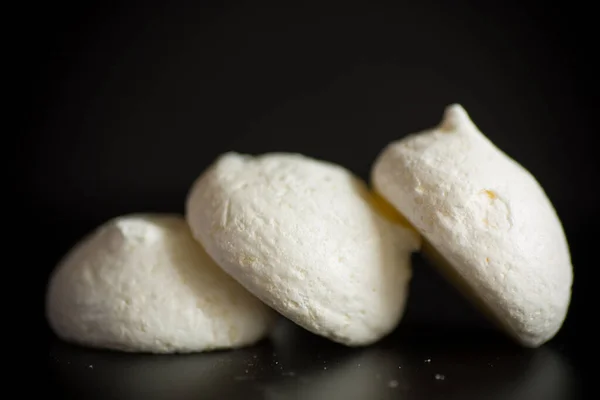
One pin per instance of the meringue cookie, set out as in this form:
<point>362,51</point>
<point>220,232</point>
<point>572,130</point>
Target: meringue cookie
<point>487,220</point>
<point>141,283</point>
<point>307,238</point>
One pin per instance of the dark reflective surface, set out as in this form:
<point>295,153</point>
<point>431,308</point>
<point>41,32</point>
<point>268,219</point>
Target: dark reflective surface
<point>293,364</point>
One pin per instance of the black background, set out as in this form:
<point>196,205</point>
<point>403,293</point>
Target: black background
<point>130,103</point>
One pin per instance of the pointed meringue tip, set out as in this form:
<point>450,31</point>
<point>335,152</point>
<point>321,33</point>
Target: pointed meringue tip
<point>454,116</point>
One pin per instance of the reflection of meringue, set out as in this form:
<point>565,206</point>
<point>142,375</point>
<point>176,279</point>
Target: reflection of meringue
<point>125,376</point>
<point>370,374</point>
<point>493,373</point>
<point>546,376</point>
<point>306,237</point>
<point>487,219</point>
